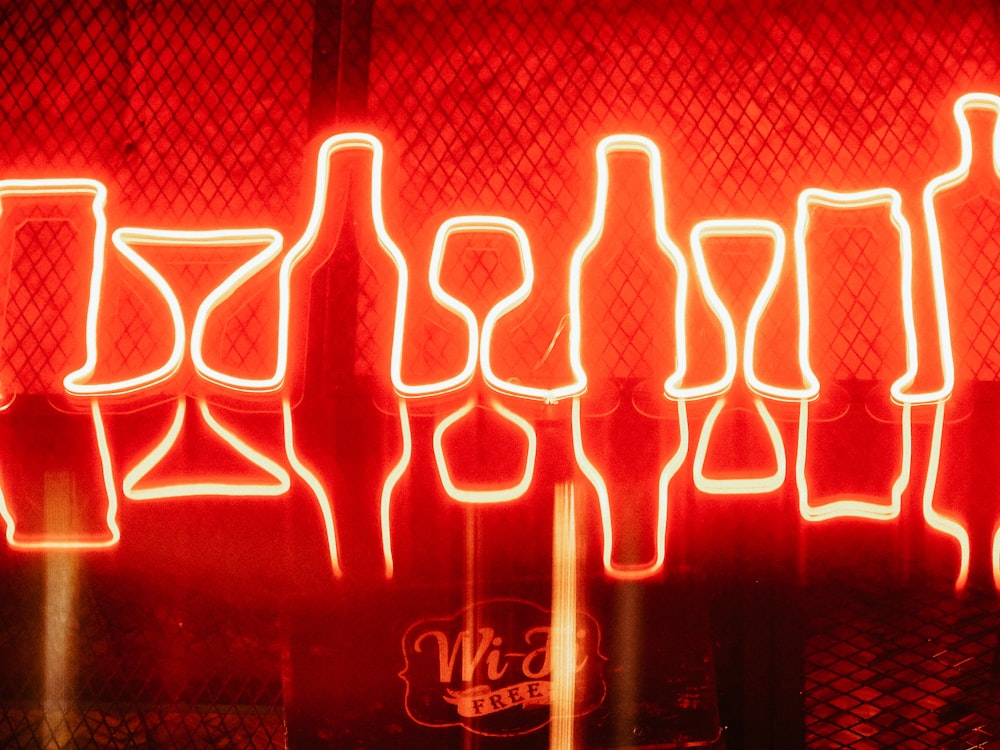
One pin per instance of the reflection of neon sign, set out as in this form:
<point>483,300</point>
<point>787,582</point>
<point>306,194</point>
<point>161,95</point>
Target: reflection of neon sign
<point>851,507</point>
<point>479,495</point>
<point>596,480</point>
<point>739,485</point>
<point>137,486</point>
<point>690,261</point>
<point>132,484</point>
<point>59,540</point>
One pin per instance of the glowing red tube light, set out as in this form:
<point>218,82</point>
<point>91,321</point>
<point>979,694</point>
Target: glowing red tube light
<point>126,240</point>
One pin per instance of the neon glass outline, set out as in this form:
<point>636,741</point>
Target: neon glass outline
<point>77,382</point>
<point>739,485</point>
<point>480,496</point>
<point>855,200</point>
<point>99,193</point>
<point>738,228</point>
<point>199,489</point>
<point>479,342</point>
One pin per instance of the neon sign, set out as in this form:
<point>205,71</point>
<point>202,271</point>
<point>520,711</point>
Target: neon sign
<point>189,320</point>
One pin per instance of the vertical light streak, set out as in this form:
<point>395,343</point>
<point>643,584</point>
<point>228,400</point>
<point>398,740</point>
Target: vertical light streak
<point>564,626</point>
<point>61,587</point>
<point>55,539</point>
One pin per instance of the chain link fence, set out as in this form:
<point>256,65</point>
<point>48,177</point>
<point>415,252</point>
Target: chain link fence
<point>197,114</point>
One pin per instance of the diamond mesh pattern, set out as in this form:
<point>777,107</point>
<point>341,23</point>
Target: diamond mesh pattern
<point>374,323</point>
<point>64,67</point>
<point>139,670</point>
<point>908,672</point>
<point>41,309</point>
<point>977,319</point>
<point>48,266</point>
<point>197,110</point>
<point>196,114</point>
<point>858,331</point>
<point>134,339</point>
<point>501,108</point>
<point>218,97</point>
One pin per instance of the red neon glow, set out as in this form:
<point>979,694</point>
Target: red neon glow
<point>474,495</point>
<point>974,101</point>
<point>391,480</point>
<point>272,241</point>
<point>739,485</point>
<point>739,228</point>
<point>370,144</point>
<point>131,483</point>
<point>633,144</point>
<point>852,507</point>
<point>862,199</point>
<point>23,542</point>
<point>593,476</point>
<point>479,343</point>
<point>79,382</point>
<point>125,241</point>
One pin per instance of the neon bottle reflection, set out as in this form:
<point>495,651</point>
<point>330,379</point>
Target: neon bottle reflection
<point>664,253</point>
<point>852,504</point>
<point>950,200</point>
